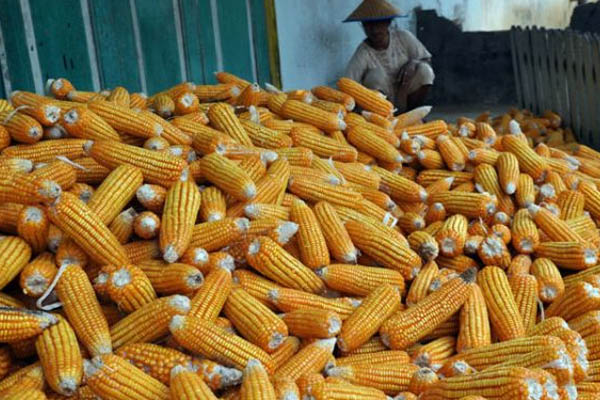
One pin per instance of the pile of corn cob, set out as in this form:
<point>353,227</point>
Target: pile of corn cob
<point>227,241</point>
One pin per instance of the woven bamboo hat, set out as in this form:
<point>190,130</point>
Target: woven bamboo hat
<point>373,10</point>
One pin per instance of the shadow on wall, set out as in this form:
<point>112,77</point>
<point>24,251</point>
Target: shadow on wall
<point>470,67</point>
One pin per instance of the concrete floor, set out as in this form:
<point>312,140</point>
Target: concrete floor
<point>450,113</point>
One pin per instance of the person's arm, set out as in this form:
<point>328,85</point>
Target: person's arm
<point>357,66</point>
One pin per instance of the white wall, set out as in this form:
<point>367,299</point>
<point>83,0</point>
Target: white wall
<point>314,44</point>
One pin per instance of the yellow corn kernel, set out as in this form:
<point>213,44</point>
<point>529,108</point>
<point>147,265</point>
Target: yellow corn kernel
<point>569,255</point>
<point>155,360</point>
<point>82,309</point>
<point>312,358</point>
<point>230,178</point>
<point>309,190</point>
<point>323,146</point>
<point>32,226</point>
<point>366,98</point>
<point>206,338</point>
<point>111,376</point>
<point>407,327</point>
<point>313,247</point>
<point>255,321</point>
<point>20,324</point>
<point>76,219</point>
<point>384,248</point>
<point>223,118</point>
<point>129,287</point>
<point>83,123</point>
<point>505,382</point>
<point>368,317</point>
<point>210,298</point>
<point>451,237</point>
<point>524,232</point>
<point>288,300</point>
<point>212,204</point>
<point>303,112</point>
<point>150,322</point>
<point>215,235</point>
<point>60,358</point>
<point>267,257</point>
<point>256,384</point>
<point>359,280</point>
<point>123,225</point>
<point>37,276</point>
<point>524,288</point>
<point>471,205</point>
<point>550,281</point>
<point>313,323</point>
<point>390,378</point>
<point>168,279</point>
<point>577,299</point>
<point>474,329</point>
<point>126,120</point>
<point>370,143</point>
<point>186,384</point>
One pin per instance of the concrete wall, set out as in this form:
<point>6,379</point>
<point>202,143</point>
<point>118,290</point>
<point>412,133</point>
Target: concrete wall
<point>315,46</point>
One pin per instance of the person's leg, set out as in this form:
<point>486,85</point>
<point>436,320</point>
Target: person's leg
<point>414,93</point>
<point>417,98</point>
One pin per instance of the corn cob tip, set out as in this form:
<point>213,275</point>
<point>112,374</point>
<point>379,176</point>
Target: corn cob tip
<point>195,280</point>
<point>214,217</point>
<point>250,191</point>
<point>243,224</point>
<point>36,284</point>
<point>90,368</point>
<point>590,257</point>
<point>68,386</point>
<point>227,263</point>
<point>286,231</point>
<point>514,128</point>
<point>176,323</point>
<point>337,372</point>
<point>268,156</point>
<point>121,278</point>
<point>328,344</point>
<point>180,303</point>
<point>273,295</point>
<point>50,190</point>
<point>129,215</point>
<point>199,256</point>
<point>170,255</point>
<point>229,376</point>
<point>351,258</point>
<point>469,275</point>
<point>178,369</point>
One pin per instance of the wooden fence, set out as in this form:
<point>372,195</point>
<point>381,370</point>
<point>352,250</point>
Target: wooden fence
<point>559,70</point>
<point>144,45</point>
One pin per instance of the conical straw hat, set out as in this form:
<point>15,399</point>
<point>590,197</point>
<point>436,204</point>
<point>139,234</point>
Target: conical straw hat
<point>373,10</point>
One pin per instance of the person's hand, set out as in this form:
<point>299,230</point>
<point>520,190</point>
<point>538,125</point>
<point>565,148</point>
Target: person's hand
<point>408,72</point>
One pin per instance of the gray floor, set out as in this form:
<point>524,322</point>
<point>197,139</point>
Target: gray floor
<point>450,113</point>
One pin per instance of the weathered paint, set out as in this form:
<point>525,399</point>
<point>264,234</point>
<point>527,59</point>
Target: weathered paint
<point>233,24</point>
<point>60,40</point>
<point>17,54</point>
<point>198,35</point>
<point>114,39</point>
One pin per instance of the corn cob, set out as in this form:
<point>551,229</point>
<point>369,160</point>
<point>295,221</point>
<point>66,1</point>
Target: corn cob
<point>451,237</point>
<point>570,255</point>
<point>155,360</point>
<point>586,324</point>
<point>42,109</point>
<point>215,235</point>
<point>366,98</point>
<point>311,358</point>
<point>407,327</point>
<point>119,95</point>
<point>317,117</point>
<point>507,323</point>
<point>474,330</point>
<point>223,118</point>
<point>129,287</point>
<point>525,237</point>
<point>420,285</point>
<point>77,220</point>
<point>313,247</point>
<point>493,251</point>
<point>323,146</point>
<point>433,354</point>
<point>20,323</point>
<point>163,105</point>
<point>571,204</point>
<point>15,256</point>
<point>390,378</point>
<point>368,317</point>
<point>211,341</point>
<point>529,161</point>
<point>506,382</point>
<point>288,300</point>
<point>124,119</point>
<point>549,279</point>
<point>333,95</point>
<point>486,179</point>
<point>274,262</point>
<point>83,123</point>
<point>525,289</point>
<point>60,358</point>
<point>83,191</point>
<point>373,145</point>
<point>174,278</point>
<point>186,384</point>
<point>123,225</point>
<point>359,280</point>
<point>150,322</point>
<point>32,226</point>
<point>111,376</point>
<point>309,190</point>
<point>255,321</point>
<point>555,228</point>
<point>157,168</point>
<point>37,275</point>
<point>209,300</point>
<point>20,127</point>
<point>57,171</point>
<point>576,300</point>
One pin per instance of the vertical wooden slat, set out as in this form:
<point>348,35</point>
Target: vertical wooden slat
<point>543,66</point>
<point>525,67</point>
<point>115,45</point>
<point>233,25</point>
<point>587,88</point>
<point>552,44</point>
<point>17,55</point>
<point>563,71</point>
<point>536,70</point>
<point>198,35</point>
<point>159,39</point>
<point>60,39</point>
<point>514,54</point>
<point>261,38</point>
<point>571,76</point>
<point>5,86</point>
<point>2,91</point>
<point>596,79</point>
<point>273,42</point>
